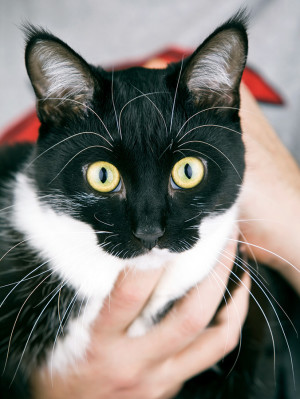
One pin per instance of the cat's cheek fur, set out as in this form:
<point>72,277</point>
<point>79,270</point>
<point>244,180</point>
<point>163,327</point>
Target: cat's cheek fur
<point>68,246</point>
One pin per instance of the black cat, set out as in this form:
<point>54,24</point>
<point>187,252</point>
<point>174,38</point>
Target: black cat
<point>142,167</point>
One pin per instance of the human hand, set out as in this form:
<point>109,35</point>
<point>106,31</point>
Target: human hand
<point>270,200</point>
<point>188,341</point>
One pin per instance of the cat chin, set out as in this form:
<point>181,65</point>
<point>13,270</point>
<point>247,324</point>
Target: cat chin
<point>153,259</point>
<point>188,269</point>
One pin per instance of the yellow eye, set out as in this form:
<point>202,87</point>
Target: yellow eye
<point>188,172</point>
<point>103,176</point>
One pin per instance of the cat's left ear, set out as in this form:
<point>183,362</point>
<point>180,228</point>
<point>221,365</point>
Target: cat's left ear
<point>62,80</point>
<point>213,73</point>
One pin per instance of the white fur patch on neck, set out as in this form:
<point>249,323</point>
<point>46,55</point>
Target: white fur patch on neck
<point>69,245</point>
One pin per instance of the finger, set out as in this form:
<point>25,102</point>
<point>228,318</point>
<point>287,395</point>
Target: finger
<point>131,292</point>
<point>217,341</point>
<point>194,312</point>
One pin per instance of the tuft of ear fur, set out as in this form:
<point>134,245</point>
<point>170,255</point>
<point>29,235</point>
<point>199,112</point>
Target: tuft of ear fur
<point>62,80</point>
<point>214,71</point>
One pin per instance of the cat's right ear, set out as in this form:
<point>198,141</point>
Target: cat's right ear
<point>212,74</point>
<point>63,82</point>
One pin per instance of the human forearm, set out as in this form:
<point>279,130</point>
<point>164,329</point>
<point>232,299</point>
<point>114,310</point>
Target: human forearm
<point>270,201</point>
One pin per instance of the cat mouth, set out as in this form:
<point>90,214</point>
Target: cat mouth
<point>149,244</point>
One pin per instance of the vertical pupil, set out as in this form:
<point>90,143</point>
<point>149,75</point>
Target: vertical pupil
<point>188,171</point>
<point>103,175</point>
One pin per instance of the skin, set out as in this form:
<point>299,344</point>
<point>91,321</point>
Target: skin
<point>270,201</point>
<point>193,337</point>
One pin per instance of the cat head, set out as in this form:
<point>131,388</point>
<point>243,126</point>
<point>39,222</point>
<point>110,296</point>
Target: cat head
<point>144,154</point>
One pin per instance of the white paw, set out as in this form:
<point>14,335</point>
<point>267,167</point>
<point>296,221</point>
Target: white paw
<point>139,327</point>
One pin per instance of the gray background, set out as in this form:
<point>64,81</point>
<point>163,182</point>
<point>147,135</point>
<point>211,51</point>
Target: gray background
<point>108,32</point>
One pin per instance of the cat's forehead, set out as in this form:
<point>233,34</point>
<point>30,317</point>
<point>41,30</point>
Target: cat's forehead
<point>138,107</point>
<point>145,78</point>
<point>139,88</point>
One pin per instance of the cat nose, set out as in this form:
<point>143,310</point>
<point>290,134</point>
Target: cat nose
<point>149,236</point>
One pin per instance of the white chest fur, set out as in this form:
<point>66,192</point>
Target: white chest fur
<point>70,248</point>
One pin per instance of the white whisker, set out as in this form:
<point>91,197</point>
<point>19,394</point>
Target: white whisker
<point>31,332</point>
<point>175,96</point>
<point>259,306</point>
<point>240,324</point>
<point>275,312</point>
<point>217,149</point>
<point>268,251</point>
<point>215,108</point>
<point>133,99</point>
<point>78,153</point>
<point>112,99</point>
<point>259,280</point>
<point>12,290</point>
<point>18,315</point>
<point>101,221</point>
<point>194,217</point>
<point>60,328</point>
<point>209,125</point>
<point>154,105</point>
<point>64,140</point>
<point>84,105</point>
<point>201,153</point>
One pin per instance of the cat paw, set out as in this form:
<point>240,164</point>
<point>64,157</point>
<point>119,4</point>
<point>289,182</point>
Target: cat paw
<point>139,327</point>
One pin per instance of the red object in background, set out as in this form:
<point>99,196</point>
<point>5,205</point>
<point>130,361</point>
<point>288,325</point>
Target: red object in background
<point>26,128</point>
<point>260,89</point>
